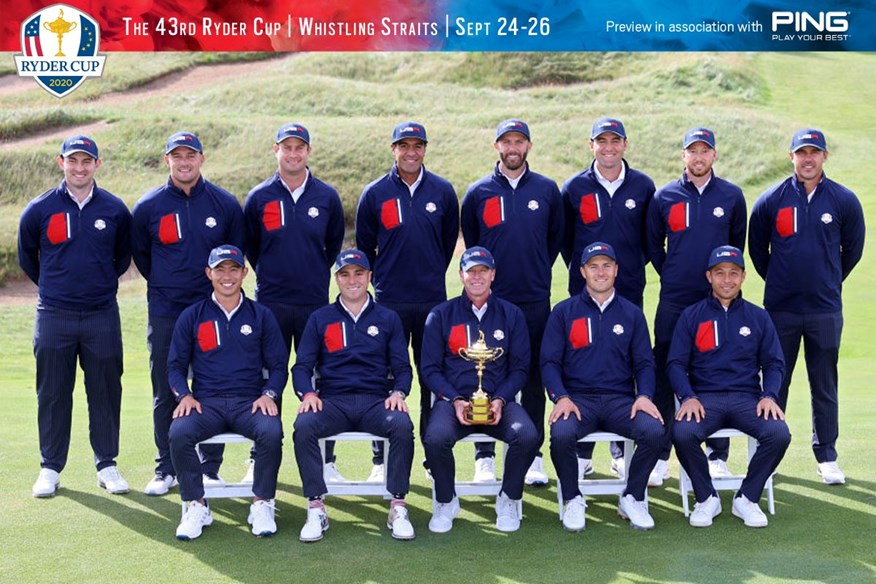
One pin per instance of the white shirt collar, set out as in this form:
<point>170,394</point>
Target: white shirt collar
<point>611,185</point>
<point>85,201</point>
<point>355,317</point>
<point>480,312</point>
<point>603,306</point>
<point>413,187</point>
<point>228,315</point>
<point>296,193</point>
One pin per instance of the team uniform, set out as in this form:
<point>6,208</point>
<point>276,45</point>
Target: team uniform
<point>172,233</point>
<point>75,252</point>
<point>717,357</point>
<point>684,225</point>
<point>409,238</point>
<point>805,247</point>
<point>523,228</point>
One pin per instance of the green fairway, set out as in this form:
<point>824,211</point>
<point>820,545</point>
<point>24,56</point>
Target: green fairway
<point>350,103</point>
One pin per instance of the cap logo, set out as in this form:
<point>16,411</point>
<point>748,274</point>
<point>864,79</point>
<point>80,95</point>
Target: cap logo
<point>726,254</point>
<point>223,251</point>
<point>809,137</point>
<point>354,256</point>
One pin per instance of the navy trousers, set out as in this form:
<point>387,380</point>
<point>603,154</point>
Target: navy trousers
<point>514,428</point>
<point>94,337</point>
<point>233,414</point>
<point>158,336</point>
<point>664,325</point>
<point>727,409</point>
<point>821,335</point>
<point>608,413</point>
<point>354,413</point>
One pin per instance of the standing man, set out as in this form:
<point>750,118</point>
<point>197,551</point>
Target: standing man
<point>607,202</point>
<point>726,367</point>
<point>598,368</point>
<point>407,223</point>
<point>294,230</point>
<point>517,214</point>
<point>454,325</point>
<point>356,351</point>
<point>175,226</point>
<point>74,243</point>
<point>806,235</point>
<point>227,341</point>
<point>687,219</point>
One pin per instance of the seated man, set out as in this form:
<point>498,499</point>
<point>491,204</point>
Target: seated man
<point>456,324</point>
<point>228,341</point>
<point>598,369</point>
<point>719,348</point>
<point>352,346</point>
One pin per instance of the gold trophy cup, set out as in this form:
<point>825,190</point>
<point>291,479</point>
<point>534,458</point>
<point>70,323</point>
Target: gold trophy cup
<point>60,27</point>
<point>480,354</point>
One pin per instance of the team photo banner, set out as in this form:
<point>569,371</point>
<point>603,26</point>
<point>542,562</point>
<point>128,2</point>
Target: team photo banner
<point>43,31</point>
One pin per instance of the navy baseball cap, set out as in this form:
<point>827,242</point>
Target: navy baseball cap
<point>597,248</point>
<point>292,130</point>
<point>186,139</point>
<point>352,257</point>
<point>476,256</point>
<point>512,125</point>
<point>79,143</point>
<point>409,130</point>
<point>726,253</point>
<point>225,252</point>
<point>612,125</point>
<point>704,135</point>
<point>808,137</point>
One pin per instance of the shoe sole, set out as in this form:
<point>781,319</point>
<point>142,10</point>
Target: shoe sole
<point>574,529</point>
<point>633,525</point>
<point>747,524</point>
<point>264,533</point>
<point>400,537</point>
<point>321,535</point>
<point>46,495</point>
<point>537,483</point>
<point>102,485</point>
<point>827,481</point>
<point>507,530</point>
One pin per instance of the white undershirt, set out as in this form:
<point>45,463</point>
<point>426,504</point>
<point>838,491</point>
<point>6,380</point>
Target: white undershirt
<point>228,315</point>
<point>355,317</point>
<point>296,193</point>
<point>604,304</point>
<point>611,185</point>
<point>413,187</point>
<point>81,204</point>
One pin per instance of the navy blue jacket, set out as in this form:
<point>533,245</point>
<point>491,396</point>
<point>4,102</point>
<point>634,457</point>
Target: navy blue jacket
<point>804,250</point>
<point>692,225</point>
<point>369,356</point>
<point>725,350</point>
<point>293,245</point>
<point>451,326</point>
<point>408,240</point>
<point>619,220</point>
<point>172,236</point>
<point>227,357</point>
<point>75,256</point>
<point>585,351</point>
<point>523,228</point>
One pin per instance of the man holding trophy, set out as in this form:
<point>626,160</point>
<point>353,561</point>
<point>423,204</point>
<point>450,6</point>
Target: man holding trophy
<point>475,359</point>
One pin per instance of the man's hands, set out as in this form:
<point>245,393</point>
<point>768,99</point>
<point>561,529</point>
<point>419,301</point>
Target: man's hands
<point>643,404</point>
<point>310,403</point>
<point>267,405</point>
<point>564,408</point>
<point>186,405</point>
<point>396,401</point>
<point>767,408</point>
<point>691,408</point>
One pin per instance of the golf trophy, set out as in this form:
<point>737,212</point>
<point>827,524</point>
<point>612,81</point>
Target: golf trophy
<point>60,27</point>
<point>480,354</point>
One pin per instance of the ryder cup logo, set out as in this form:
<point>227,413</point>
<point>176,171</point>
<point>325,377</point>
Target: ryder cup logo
<point>630,204</point>
<point>59,49</point>
<point>100,224</point>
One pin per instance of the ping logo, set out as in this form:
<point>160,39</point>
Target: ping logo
<point>804,21</point>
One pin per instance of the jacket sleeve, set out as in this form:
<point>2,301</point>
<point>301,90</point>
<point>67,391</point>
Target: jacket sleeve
<point>367,226</point>
<point>252,229</point>
<point>141,239</point>
<point>123,241</point>
<point>678,360</point>
<point>772,361</point>
<point>519,357</point>
<point>569,218</point>
<point>432,359</point>
<point>306,358</point>
<point>737,229</point>
<point>553,348</point>
<point>852,235</point>
<point>179,357</point>
<point>29,244</point>
<point>649,202</point>
<point>275,358</point>
<point>760,229</point>
<point>450,228</point>
<point>334,234</point>
<point>656,236</point>
<point>556,226</point>
<point>236,234</point>
<point>398,358</point>
<point>468,220</point>
<point>643,358</point>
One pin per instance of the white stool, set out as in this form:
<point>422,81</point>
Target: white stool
<point>358,487</point>
<point>230,489</point>
<point>731,482</point>
<point>602,486</point>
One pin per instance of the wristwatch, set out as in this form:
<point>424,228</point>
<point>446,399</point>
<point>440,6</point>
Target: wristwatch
<point>271,394</point>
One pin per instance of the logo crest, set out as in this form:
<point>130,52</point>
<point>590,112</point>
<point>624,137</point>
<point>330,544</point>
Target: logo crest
<point>718,212</point>
<point>498,334</point>
<point>630,204</point>
<point>210,222</point>
<point>246,330</point>
<point>100,224</point>
<point>618,329</point>
<point>827,218</point>
<point>430,207</point>
<point>372,331</point>
<point>313,212</point>
<point>745,331</point>
<point>59,49</point>
<point>533,205</point>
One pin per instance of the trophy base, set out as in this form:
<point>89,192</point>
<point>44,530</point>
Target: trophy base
<point>479,412</point>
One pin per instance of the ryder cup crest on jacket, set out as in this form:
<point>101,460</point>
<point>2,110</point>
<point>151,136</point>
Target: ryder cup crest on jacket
<point>59,47</point>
